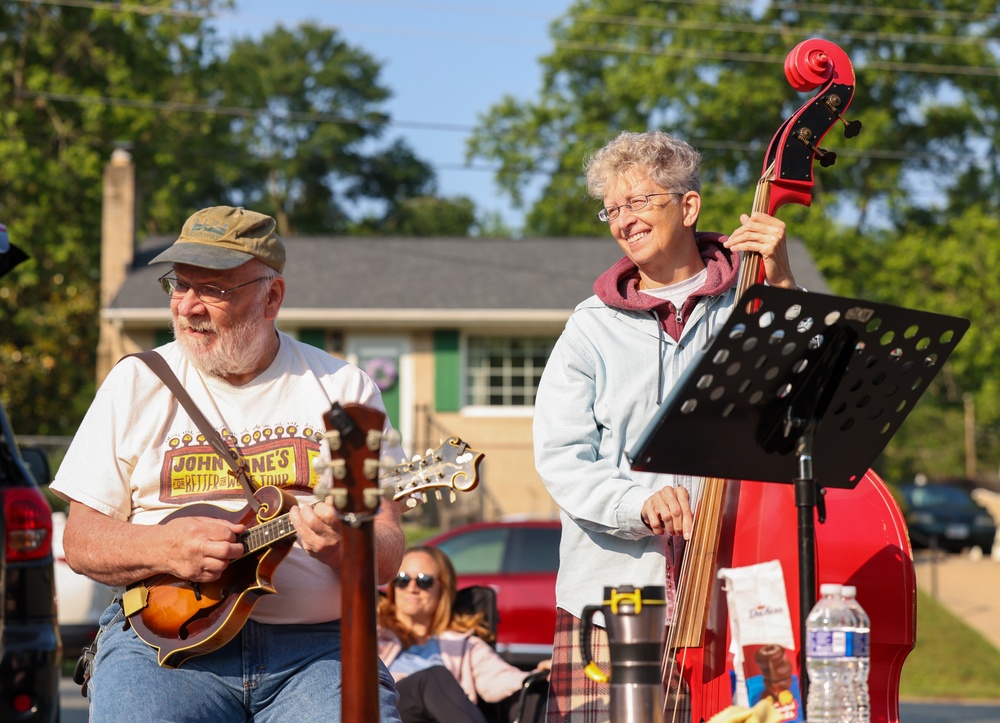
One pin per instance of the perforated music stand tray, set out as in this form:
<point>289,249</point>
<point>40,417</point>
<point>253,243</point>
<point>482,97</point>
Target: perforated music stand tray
<point>798,388</point>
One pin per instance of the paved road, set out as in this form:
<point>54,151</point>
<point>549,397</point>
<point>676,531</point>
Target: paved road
<point>74,709</point>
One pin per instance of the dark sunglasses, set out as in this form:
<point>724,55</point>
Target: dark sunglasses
<point>424,581</point>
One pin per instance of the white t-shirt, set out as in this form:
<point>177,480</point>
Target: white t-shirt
<point>138,456</point>
<point>678,293</point>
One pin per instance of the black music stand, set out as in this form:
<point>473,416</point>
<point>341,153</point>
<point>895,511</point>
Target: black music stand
<point>798,388</point>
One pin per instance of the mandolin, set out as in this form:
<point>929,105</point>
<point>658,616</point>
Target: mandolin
<point>183,619</point>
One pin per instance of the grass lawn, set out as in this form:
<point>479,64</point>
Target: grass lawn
<point>950,659</point>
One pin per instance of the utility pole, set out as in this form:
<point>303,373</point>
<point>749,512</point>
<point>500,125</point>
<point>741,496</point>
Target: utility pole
<point>970,435</point>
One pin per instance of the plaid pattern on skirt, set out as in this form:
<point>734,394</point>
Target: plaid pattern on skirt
<point>573,697</point>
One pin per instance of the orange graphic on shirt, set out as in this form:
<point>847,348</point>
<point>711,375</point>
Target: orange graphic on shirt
<point>192,471</point>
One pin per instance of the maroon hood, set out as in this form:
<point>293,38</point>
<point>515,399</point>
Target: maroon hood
<point>618,287</point>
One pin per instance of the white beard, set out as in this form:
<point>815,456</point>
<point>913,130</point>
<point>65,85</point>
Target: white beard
<point>236,351</point>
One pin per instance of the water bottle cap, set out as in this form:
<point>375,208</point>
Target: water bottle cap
<point>829,588</point>
<point>849,591</point>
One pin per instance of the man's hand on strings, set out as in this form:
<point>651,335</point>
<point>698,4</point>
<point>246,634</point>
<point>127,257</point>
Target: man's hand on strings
<point>668,511</point>
<point>318,527</point>
<point>201,548</point>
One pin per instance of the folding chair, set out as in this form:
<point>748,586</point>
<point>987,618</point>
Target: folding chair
<point>527,705</point>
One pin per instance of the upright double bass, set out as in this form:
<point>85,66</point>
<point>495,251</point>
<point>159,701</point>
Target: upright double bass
<point>860,535</point>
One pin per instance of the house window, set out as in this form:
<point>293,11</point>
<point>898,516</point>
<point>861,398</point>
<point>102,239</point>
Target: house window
<point>505,370</point>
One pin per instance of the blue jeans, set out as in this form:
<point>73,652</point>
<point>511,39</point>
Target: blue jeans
<point>266,674</point>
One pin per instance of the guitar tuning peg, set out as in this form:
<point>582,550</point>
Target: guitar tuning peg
<point>373,439</point>
<point>320,465</point>
<point>332,438</point>
<point>452,496</point>
<point>411,502</point>
<point>437,495</point>
<point>393,438</point>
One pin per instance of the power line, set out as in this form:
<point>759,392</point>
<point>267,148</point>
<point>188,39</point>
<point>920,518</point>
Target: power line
<point>729,28</point>
<point>894,12</point>
<point>238,112</point>
<point>165,106</point>
<point>296,117</point>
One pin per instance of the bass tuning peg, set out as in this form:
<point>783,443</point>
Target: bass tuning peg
<point>826,158</point>
<point>851,128</point>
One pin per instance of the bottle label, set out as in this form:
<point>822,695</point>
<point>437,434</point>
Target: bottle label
<point>837,643</point>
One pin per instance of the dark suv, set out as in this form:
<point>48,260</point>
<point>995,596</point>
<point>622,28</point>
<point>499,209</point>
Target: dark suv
<point>30,649</point>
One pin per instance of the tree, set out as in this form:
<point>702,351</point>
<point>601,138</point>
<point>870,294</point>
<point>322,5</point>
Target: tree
<point>70,90</point>
<point>424,216</point>
<point>712,74</point>
<point>287,123</point>
<point>310,159</point>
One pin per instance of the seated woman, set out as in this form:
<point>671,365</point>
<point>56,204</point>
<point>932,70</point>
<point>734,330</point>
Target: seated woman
<point>441,664</point>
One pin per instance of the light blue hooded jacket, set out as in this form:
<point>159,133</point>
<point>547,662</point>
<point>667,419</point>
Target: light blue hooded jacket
<point>618,357</point>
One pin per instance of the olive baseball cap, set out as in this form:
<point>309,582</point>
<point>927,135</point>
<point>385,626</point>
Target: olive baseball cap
<point>224,237</point>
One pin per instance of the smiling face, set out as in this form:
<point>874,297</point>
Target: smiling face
<point>235,338</point>
<point>659,238</point>
<point>415,605</point>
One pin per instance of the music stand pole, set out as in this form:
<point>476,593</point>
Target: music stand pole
<point>807,495</point>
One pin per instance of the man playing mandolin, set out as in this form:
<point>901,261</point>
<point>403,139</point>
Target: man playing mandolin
<point>618,357</point>
<point>138,458</point>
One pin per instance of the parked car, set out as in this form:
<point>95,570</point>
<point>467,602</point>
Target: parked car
<point>519,560</point>
<point>31,657</point>
<point>947,517</point>
<point>80,600</point>
<point>30,649</point>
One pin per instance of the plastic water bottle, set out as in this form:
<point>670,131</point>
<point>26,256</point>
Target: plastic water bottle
<point>829,629</point>
<point>861,658</point>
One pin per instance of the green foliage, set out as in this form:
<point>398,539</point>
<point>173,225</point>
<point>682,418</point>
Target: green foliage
<point>68,92</point>
<point>907,215</point>
<point>308,156</point>
<point>423,216</point>
<point>289,124</point>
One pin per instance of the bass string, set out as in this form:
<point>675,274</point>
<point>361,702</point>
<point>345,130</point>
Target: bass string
<point>695,562</point>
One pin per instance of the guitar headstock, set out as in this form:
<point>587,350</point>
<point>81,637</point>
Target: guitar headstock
<point>453,466</point>
<point>354,436</point>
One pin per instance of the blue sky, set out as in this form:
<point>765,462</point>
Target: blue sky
<point>445,61</point>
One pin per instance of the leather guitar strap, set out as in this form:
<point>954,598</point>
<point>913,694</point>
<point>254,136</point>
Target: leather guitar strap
<point>232,457</point>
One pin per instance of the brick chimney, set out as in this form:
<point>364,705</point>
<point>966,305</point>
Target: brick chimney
<point>117,250</point>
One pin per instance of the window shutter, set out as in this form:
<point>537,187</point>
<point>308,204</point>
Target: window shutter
<point>447,371</point>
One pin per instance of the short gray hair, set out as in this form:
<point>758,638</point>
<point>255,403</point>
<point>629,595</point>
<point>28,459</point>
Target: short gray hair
<point>669,161</point>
